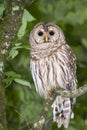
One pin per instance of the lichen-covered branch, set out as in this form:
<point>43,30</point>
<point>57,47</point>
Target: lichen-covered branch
<point>64,93</point>
<point>71,93</point>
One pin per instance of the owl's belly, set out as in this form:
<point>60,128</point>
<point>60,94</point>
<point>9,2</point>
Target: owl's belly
<point>47,74</point>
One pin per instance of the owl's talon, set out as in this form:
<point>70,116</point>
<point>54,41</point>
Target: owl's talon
<point>49,94</point>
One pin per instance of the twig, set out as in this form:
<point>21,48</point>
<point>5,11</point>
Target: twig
<point>41,122</point>
<point>48,124</point>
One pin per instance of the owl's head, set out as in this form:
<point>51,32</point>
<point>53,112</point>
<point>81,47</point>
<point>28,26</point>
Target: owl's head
<point>46,33</point>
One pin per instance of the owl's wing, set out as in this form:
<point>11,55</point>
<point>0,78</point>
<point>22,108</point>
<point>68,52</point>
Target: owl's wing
<point>62,107</point>
<point>72,68</point>
<point>67,61</point>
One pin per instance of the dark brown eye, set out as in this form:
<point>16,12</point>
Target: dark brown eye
<point>51,33</point>
<point>40,33</point>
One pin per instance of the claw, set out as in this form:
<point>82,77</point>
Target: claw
<point>49,94</point>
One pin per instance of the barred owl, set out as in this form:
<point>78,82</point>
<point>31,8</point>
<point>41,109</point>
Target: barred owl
<point>53,65</point>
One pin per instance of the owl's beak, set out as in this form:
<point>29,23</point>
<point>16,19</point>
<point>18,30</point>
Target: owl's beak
<point>46,38</point>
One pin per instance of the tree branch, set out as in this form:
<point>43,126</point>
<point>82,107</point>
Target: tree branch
<point>64,93</point>
<point>70,93</point>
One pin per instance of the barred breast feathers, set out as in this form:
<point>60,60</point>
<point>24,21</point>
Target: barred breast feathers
<point>44,50</point>
<point>58,75</point>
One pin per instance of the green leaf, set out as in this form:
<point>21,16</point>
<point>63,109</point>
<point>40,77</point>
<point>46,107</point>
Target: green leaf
<point>13,53</point>
<point>84,42</point>
<point>27,17</point>
<point>22,82</point>
<point>2,8</point>
<point>12,74</point>
<point>26,47</point>
<point>21,31</point>
<point>18,44</point>
<point>8,81</point>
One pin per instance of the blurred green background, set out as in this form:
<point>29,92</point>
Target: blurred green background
<point>24,105</point>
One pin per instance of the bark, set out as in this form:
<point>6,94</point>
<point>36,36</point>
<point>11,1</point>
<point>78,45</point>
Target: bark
<point>8,28</point>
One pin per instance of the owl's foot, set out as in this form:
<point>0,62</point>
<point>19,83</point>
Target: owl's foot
<point>49,94</point>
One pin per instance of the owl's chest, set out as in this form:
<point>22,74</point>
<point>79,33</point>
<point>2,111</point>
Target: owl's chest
<point>47,74</point>
<point>44,53</point>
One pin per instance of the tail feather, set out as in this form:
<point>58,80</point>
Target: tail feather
<point>62,111</point>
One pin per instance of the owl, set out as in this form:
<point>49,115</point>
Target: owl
<point>53,66</point>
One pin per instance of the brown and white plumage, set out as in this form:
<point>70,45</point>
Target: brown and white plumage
<point>53,64</point>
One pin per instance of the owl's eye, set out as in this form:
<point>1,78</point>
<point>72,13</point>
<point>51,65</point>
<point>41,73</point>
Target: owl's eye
<point>40,33</point>
<point>51,33</point>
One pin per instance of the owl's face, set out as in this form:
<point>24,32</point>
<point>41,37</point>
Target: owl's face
<point>46,33</point>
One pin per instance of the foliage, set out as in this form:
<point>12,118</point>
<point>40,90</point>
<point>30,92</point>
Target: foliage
<point>12,76</point>
<point>2,8</point>
<point>23,103</point>
<point>27,17</point>
<point>70,12</point>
